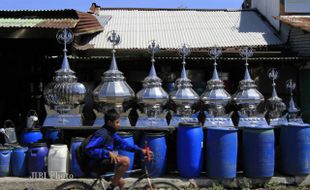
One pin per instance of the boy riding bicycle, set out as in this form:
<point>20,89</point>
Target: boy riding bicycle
<point>97,152</point>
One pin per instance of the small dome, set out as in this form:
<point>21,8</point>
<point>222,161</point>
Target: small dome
<point>113,87</point>
<point>64,92</point>
<point>152,92</point>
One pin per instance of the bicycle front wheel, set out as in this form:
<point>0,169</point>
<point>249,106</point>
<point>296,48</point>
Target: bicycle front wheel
<point>74,185</point>
<point>162,185</point>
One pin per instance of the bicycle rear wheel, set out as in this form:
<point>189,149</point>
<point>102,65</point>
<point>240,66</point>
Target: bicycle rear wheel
<point>74,185</point>
<point>162,185</point>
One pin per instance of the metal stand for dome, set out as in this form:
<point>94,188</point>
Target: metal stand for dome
<point>63,119</point>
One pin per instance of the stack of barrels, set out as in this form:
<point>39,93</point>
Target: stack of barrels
<point>214,150</point>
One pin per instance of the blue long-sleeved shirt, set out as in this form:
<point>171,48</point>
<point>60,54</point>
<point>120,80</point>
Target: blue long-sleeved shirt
<point>104,141</point>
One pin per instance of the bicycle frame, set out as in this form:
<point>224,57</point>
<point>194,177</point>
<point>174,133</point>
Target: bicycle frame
<point>145,174</point>
<point>105,178</point>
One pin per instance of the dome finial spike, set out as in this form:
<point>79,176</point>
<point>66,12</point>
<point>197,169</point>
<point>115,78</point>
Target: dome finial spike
<point>153,48</point>
<point>215,53</point>
<point>291,85</point>
<point>113,65</point>
<point>114,38</point>
<point>274,91</point>
<point>65,63</point>
<point>273,74</point>
<point>292,106</point>
<point>247,75</point>
<point>183,72</point>
<point>246,52</point>
<point>184,51</point>
<point>215,75</point>
<point>152,73</point>
<point>65,37</point>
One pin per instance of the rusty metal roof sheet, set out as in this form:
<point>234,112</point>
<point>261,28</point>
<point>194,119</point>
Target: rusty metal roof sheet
<point>88,23</point>
<point>37,23</point>
<point>302,22</point>
<point>79,22</point>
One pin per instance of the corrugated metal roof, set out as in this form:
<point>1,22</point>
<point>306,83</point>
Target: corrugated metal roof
<point>302,22</point>
<point>37,23</point>
<point>79,22</point>
<point>190,58</point>
<point>87,24</point>
<point>197,28</point>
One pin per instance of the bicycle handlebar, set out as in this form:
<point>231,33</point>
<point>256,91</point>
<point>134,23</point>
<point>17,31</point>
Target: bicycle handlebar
<point>148,152</point>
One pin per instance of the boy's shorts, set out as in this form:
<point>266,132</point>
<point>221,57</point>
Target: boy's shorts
<point>100,167</point>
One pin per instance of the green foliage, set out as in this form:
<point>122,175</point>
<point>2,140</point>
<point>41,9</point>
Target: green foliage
<point>274,186</point>
<point>245,183</point>
<point>216,187</point>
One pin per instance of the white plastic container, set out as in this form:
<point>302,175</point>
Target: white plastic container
<point>58,161</point>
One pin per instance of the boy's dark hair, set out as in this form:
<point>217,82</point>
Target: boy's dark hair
<point>111,115</point>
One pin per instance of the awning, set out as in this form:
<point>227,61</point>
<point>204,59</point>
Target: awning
<point>302,22</point>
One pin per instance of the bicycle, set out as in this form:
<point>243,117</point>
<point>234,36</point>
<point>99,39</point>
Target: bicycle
<point>72,185</point>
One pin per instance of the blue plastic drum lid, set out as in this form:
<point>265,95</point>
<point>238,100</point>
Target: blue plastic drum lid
<point>258,152</point>
<point>52,134</point>
<point>5,157</point>
<point>29,136</point>
<point>221,152</point>
<point>157,144</point>
<point>295,150</point>
<point>124,134</point>
<point>74,165</point>
<point>128,137</point>
<point>19,161</point>
<point>189,149</point>
<point>77,139</point>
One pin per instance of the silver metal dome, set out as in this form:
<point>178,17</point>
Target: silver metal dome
<point>113,88</point>
<point>215,96</point>
<point>152,92</point>
<point>248,97</point>
<point>184,97</point>
<point>64,93</point>
<point>275,105</point>
<point>293,110</point>
<point>113,91</point>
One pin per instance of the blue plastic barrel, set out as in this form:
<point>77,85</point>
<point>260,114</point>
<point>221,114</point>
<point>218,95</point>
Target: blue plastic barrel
<point>37,159</point>
<point>128,137</point>
<point>258,152</point>
<point>157,143</point>
<point>19,161</point>
<point>29,136</point>
<point>74,165</point>
<point>221,152</point>
<point>295,150</point>
<point>189,149</point>
<point>170,87</point>
<point>52,135</point>
<point>5,157</point>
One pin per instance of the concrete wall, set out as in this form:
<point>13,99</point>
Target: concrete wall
<point>268,8</point>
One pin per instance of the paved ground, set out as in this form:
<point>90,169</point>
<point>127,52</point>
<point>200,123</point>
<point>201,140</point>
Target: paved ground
<point>15,183</point>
